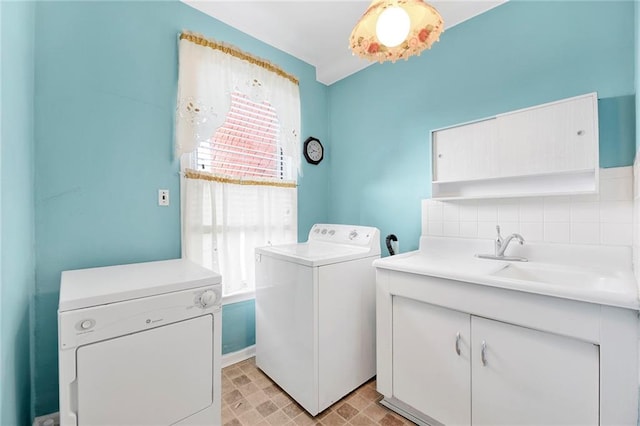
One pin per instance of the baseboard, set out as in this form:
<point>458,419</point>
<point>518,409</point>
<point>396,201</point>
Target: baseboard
<point>241,355</point>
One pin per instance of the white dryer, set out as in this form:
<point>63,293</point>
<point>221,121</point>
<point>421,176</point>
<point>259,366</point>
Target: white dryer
<point>315,313</point>
<point>140,344</point>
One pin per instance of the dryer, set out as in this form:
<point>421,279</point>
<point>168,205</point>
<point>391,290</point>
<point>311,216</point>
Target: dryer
<point>315,313</point>
<point>140,344</point>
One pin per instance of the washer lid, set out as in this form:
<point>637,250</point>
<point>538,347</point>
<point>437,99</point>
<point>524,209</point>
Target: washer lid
<point>329,243</point>
<point>316,253</point>
<point>83,288</point>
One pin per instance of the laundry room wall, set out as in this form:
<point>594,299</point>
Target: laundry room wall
<point>105,93</point>
<point>519,54</point>
<point>17,258</point>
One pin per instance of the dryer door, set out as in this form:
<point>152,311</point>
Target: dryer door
<point>154,377</point>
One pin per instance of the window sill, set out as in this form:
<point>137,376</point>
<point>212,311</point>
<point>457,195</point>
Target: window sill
<point>238,297</point>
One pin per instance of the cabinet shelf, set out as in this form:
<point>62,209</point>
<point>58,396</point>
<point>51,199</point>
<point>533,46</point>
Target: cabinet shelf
<point>544,184</point>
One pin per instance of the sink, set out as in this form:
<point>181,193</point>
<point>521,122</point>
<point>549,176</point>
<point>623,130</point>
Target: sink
<point>559,275</point>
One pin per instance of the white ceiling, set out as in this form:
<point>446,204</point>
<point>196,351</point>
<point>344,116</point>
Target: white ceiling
<point>317,32</point>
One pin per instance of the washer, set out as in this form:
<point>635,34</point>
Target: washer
<point>315,313</point>
<point>140,344</point>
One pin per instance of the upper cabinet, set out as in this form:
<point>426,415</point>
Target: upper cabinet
<point>543,150</point>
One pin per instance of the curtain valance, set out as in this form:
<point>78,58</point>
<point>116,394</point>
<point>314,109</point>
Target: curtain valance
<point>209,72</point>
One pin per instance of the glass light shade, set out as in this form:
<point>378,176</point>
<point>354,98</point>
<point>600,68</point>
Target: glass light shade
<point>393,26</point>
<point>369,40</point>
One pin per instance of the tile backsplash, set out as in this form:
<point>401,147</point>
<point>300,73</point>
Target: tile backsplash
<point>606,218</point>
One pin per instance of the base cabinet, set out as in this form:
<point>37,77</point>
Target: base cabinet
<point>528,377</point>
<point>461,369</point>
<point>431,360</point>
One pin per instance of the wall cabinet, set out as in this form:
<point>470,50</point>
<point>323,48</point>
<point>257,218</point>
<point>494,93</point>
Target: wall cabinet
<point>455,367</point>
<point>546,149</point>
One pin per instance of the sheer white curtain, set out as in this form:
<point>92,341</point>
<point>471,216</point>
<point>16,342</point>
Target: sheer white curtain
<point>224,222</point>
<point>224,217</point>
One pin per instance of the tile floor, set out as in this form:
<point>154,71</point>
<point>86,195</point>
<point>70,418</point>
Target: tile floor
<point>250,398</point>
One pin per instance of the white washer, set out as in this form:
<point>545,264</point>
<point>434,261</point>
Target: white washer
<point>140,344</point>
<point>315,313</point>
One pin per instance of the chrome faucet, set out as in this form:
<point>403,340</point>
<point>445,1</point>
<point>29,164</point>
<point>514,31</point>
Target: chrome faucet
<point>500,245</point>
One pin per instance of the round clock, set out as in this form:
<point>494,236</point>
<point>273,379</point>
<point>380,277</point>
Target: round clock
<point>313,150</point>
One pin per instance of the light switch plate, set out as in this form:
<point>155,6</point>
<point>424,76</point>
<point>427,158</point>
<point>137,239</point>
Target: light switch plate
<point>163,197</point>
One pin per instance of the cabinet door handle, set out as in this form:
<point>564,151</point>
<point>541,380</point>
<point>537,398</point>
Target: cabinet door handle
<point>483,353</point>
<point>458,343</point>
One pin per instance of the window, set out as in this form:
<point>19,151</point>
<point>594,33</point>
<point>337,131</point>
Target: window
<point>247,144</point>
<point>237,124</point>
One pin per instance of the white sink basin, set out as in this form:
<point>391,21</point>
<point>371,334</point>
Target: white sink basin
<point>559,275</point>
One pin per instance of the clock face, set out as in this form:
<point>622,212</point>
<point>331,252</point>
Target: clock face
<point>313,150</point>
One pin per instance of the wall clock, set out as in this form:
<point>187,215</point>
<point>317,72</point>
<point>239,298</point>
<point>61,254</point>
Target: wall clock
<point>313,150</point>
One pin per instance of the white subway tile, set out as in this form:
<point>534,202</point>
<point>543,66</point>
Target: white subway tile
<point>585,198</point>
<point>585,212</point>
<point>508,228</point>
<point>557,232</point>
<point>616,172</point>
<point>423,216</point>
<point>556,209</point>
<point>469,229</point>
<point>532,231</point>
<point>451,211</point>
<point>434,229</point>
<point>486,229</point>
<point>508,212</point>
<point>487,211</point>
<point>451,229</point>
<point>616,211</point>
<point>617,234</point>
<point>617,189</point>
<point>469,210</point>
<point>585,233</point>
<point>532,210</point>
<point>434,211</point>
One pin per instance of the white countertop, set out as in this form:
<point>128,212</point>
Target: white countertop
<point>595,274</point>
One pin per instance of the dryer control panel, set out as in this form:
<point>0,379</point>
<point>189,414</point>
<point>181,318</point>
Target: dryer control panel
<point>81,326</point>
<point>362,236</point>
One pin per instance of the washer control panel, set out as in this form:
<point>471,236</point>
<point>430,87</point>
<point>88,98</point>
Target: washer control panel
<point>363,236</point>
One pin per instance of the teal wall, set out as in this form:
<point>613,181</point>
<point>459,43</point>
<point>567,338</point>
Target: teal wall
<point>16,211</point>
<point>106,79</point>
<point>617,125</point>
<point>239,326</point>
<point>519,54</point>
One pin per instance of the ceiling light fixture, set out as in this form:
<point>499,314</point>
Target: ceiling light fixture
<point>396,29</point>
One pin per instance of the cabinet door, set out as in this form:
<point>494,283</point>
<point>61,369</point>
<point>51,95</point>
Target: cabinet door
<point>530,377</point>
<point>428,372</point>
<point>551,138</point>
<point>464,152</point>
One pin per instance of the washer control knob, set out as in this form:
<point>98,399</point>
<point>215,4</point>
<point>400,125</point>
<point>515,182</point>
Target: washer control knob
<point>85,325</point>
<point>207,298</point>
<point>353,234</point>
<point>332,231</point>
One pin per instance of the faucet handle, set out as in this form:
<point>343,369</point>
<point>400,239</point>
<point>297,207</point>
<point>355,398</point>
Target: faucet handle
<point>498,230</point>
